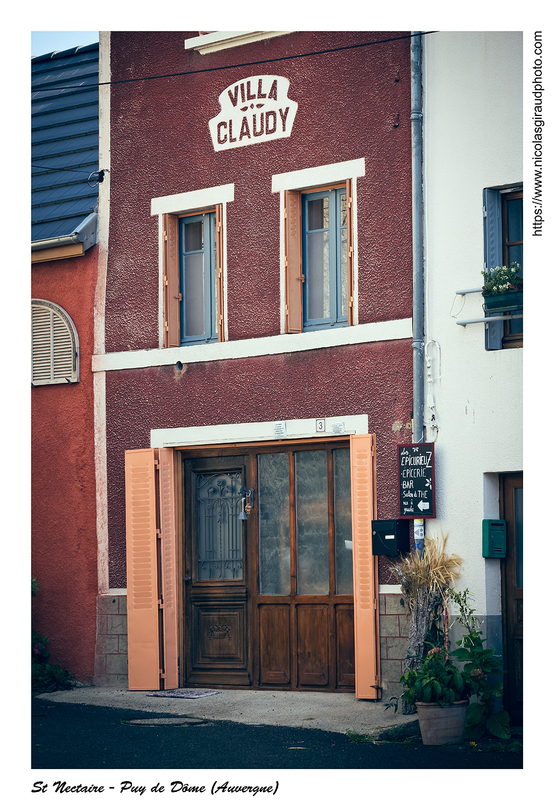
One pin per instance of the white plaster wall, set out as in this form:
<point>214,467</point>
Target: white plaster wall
<point>472,140</point>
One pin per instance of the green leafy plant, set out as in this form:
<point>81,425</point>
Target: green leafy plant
<point>50,678</point>
<point>499,280</point>
<point>437,680</point>
<point>479,666</point>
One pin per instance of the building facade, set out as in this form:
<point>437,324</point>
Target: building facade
<point>474,369</point>
<point>64,256</point>
<point>257,334</point>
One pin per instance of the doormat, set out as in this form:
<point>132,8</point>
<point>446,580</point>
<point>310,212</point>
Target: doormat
<point>188,694</point>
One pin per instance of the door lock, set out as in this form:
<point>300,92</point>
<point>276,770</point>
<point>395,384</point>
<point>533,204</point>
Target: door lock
<point>247,501</point>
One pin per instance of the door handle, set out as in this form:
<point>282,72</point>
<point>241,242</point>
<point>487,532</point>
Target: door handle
<point>188,578</point>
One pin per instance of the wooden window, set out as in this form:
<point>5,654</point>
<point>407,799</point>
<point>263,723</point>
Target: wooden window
<point>512,245</point>
<point>319,258</point>
<point>503,238</point>
<point>193,278</point>
<point>55,345</point>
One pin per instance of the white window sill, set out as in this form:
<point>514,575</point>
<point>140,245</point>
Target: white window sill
<point>250,348</point>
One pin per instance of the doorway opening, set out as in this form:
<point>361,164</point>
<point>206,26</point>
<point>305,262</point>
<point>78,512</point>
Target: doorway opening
<point>268,599</point>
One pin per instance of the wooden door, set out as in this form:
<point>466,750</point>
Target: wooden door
<point>512,595</point>
<point>303,596</point>
<point>216,603</point>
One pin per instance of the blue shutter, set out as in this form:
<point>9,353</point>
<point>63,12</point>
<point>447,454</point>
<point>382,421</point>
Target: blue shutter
<point>492,223</point>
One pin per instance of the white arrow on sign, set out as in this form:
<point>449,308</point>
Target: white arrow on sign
<point>422,506</point>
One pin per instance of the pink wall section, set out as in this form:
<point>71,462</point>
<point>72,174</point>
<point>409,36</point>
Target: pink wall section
<point>64,548</point>
<point>372,379</point>
<point>352,104</point>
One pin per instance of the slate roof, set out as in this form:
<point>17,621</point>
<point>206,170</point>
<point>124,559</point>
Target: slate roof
<point>64,140</point>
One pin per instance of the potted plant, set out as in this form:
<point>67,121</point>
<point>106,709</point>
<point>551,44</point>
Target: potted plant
<point>480,666</point>
<point>503,288</point>
<point>440,692</point>
<point>441,686</point>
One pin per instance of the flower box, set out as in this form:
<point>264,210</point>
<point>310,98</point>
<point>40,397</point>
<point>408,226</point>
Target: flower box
<point>506,301</point>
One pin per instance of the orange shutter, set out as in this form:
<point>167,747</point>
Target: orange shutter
<point>170,602</point>
<point>142,575</point>
<point>350,250</point>
<point>219,271</point>
<point>172,292</point>
<point>366,589</point>
<point>293,262</point>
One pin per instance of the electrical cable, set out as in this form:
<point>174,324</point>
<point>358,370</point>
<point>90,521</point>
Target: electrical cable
<point>245,64</point>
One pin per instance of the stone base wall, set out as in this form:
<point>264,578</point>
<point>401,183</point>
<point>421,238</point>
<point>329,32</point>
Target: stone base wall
<point>110,663</point>
<point>393,625</point>
<point>110,660</point>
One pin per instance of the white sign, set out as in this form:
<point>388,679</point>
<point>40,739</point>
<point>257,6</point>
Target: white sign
<point>253,110</point>
<point>280,430</point>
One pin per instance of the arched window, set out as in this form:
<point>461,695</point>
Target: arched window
<point>55,345</point>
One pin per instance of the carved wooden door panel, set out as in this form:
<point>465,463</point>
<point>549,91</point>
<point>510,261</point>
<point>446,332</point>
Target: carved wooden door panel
<point>214,575</point>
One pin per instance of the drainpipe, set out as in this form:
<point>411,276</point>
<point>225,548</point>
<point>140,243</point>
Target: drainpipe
<point>416,118</point>
<point>417,239</point>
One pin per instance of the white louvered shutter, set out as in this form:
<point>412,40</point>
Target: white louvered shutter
<point>55,345</point>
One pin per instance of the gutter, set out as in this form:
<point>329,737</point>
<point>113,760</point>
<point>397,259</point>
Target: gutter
<point>84,234</point>
<point>418,317</point>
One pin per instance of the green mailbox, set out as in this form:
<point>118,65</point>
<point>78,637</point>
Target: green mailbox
<point>494,538</point>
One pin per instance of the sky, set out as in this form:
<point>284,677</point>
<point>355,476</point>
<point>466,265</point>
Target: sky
<point>43,42</point>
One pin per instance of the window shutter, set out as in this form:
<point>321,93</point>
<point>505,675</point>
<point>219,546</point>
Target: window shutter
<point>492,224</point>
<point>172,293</point>
<point>142,574</point>
<point>366,594</point>
<point>55,345</point>
<point>219,272</point>
<point>170,601</point>
<point>293,262</point>
<point>350,249</point>
<point>152,594</point>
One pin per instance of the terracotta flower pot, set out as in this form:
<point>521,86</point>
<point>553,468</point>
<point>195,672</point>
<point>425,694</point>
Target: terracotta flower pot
<point>442,724</point>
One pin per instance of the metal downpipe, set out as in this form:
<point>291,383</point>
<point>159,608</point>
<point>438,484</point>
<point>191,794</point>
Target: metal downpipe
<point>416,118</point>
<point>418,310</point>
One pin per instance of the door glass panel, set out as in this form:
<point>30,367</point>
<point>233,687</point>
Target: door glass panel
<point>274,523</point>
<point>343,522</point>
<point>312,532</point>
<point>219,527</point>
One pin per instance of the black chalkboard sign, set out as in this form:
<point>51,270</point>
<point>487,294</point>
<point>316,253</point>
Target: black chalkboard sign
<point>416,480</point>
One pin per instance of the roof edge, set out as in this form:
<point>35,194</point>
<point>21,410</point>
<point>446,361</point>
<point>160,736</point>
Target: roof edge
<point>85,233</point>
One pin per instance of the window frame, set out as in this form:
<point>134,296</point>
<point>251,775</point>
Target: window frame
<point>169,210</point>
<point>510,339</point>
<point>295,260</point>
<point>291,186</point>
<point>497,336</point>
<point>210,275</point>
<point>335,227</point>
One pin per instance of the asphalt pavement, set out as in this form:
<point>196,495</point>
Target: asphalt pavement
<point>69,733</point>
